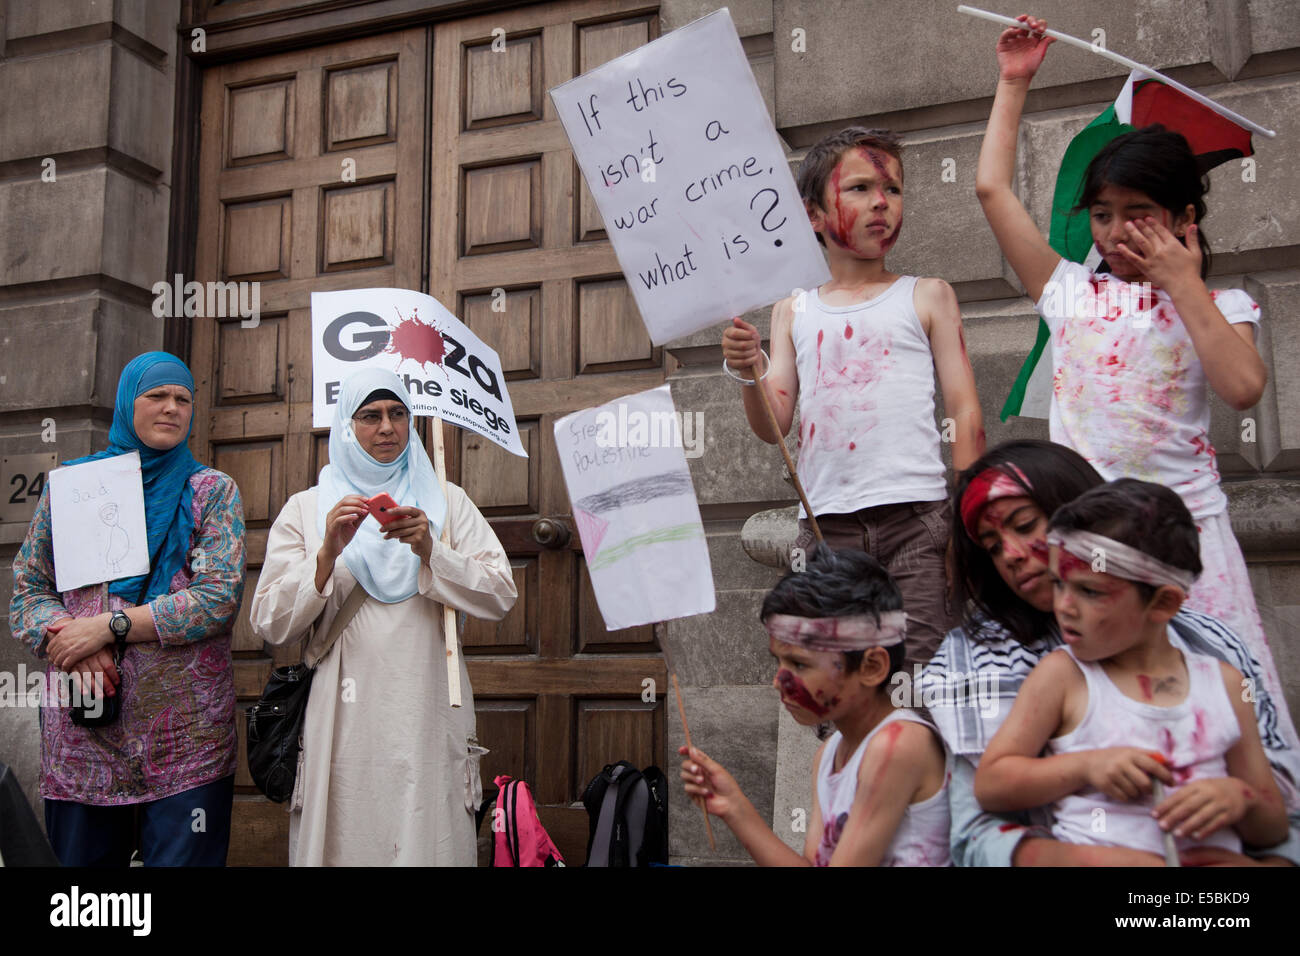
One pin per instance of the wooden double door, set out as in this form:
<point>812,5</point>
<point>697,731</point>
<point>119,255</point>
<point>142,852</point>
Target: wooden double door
<point>431,158</point>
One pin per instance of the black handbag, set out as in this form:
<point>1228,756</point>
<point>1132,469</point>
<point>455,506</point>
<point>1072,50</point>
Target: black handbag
<point>276,721</point>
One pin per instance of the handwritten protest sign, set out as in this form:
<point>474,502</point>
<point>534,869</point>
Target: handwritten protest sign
<point>97,521</point>
<point>448,370</point>
<point>635,509</point>
<point>680,154</point>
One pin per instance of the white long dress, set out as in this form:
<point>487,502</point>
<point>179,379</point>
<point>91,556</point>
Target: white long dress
<point>386,776</point>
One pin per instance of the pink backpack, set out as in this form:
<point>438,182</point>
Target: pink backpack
<point>519,839</point>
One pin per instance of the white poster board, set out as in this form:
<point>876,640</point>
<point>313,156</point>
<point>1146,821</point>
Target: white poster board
<point>449,371</point>
<point>97,521</point>
<point>679,151</point>
<point>635,508</point>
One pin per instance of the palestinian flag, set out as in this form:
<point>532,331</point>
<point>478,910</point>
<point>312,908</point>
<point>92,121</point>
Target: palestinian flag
<point>1143,101</point>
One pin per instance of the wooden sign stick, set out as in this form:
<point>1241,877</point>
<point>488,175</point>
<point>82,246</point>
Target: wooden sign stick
<point>681,712</point>
<point>448,613</point>
<point>785,452</point>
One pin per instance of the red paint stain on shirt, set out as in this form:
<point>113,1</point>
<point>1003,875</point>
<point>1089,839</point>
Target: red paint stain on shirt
<point>848,331</point>
<point>1144,682</point>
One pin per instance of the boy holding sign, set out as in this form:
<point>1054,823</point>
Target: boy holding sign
<point>859,355</point>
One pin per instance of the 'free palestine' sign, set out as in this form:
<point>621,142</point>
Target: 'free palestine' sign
<point>677,147</point>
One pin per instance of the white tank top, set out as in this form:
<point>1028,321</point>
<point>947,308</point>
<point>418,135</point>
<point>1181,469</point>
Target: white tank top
<point>922,836</point>
<point>1192,735</point>
<point>866,403</point>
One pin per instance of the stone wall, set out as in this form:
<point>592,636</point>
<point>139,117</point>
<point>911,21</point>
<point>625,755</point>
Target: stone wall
<point>921,68</point>
<point>85,170</point>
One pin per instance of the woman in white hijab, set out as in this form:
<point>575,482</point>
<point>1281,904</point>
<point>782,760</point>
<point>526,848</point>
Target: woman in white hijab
<point>387,774</point>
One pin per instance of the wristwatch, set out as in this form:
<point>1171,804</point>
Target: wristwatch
<point>120,625</point>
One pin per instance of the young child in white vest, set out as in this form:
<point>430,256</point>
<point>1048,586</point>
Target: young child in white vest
<point>880,782</point>
<point>1125,707</point>
<point>859,357</point>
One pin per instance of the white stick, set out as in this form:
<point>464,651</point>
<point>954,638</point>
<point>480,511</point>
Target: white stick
<point>1124,61</point>
<point>1171,849</point>
<point>449,635</point>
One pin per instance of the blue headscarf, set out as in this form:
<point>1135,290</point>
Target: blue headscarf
<point>388,569</point>
<point>168,498</point>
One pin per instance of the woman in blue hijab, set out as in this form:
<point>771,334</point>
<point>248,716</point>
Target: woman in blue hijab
<point>158,644</point>
<point>388,772</point>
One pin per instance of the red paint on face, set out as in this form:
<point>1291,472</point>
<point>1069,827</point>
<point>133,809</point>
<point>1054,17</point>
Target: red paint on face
<point>841,231</point>
<point>1069,564</point>
<point>1144,682</point>
<point>794,691</point>
<point>414,340</point>
<point>1040,550</point>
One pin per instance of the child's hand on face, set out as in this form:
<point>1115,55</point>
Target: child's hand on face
<point>1021,50</point>
<point>1124,773</point>
<point>1204,806</point>
<point>740,345</point>
<point>1165,259</point>
<point>705,777</point>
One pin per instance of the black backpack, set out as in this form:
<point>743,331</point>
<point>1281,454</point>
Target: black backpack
<point>628,814</point>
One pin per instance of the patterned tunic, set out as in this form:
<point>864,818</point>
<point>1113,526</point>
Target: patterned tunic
<point>176,730</point>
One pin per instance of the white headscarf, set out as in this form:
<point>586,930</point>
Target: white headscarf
<point>388,570</point>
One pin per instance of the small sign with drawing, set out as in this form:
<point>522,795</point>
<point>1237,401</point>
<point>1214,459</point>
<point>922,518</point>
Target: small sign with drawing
<point>97,520</point>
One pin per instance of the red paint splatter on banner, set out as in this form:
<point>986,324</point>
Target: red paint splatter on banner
<point>414,340</point>
<point>794,690</point>
<point>1144,682</point>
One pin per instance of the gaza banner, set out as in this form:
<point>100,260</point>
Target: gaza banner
<point>680,154</point>
<point>635,508</point>
<point>448,369</point>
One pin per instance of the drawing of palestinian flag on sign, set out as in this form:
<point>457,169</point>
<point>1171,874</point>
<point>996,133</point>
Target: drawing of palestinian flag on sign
<point>1143,101</point>
<point>641,491</point>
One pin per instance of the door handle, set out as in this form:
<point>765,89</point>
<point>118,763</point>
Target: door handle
<point>551,533</point>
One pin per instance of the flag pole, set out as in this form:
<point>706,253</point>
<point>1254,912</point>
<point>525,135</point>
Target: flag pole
<point>1123,61</point>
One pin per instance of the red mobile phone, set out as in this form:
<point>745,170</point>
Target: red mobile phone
<point>380,506</point>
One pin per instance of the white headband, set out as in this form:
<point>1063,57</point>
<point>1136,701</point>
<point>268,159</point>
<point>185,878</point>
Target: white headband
<point>1120,559</point>
<point>855,633</point>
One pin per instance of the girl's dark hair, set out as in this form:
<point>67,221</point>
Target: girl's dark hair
<point>816,168</point>
<point>839,584</point>
<point>1056,475</point>
<point>1159,163</point>
<point>1145,516</point>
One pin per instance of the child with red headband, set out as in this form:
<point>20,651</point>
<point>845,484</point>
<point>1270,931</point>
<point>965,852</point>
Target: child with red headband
<point>881,781</point>
<point>1125,707</point>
